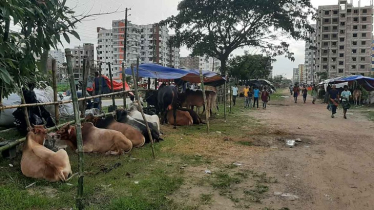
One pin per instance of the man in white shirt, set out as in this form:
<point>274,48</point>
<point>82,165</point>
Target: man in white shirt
<point>345,96</point>
<point>234,93</point>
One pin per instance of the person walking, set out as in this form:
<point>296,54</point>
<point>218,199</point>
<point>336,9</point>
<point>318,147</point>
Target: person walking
<point>246,96</point>
<point>305,93</point>
<point>234,93</point>
<point>334,100</point>
<point>291,87</point>
<point>345,96</point>
<point>314,93</point>
<point>256,95</point>
<point>265,97</point>
<point>296,91</point>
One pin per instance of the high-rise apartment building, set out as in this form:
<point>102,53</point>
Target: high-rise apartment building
<point>151,43</point>
<point>302,74</point>
<point>295,76</point>
<point>78,54</point>
<point>59,56</point>
<point>343,39</point>
<point>211,64</point>
<point>310,54</point>
<point>189,62</point>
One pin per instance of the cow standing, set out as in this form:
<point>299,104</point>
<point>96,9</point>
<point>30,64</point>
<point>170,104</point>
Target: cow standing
<point>41,163</point>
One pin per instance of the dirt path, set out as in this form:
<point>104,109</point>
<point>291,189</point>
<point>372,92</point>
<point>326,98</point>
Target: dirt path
<point>331,169</point>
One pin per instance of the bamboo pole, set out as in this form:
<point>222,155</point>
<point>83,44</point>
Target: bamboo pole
<point>111,85</point>
<point>205,101</point>
<point>64,102</point>
<point>27,119</point>
<point>224,97</point>
<point>100,86</point>
<point>21,140</point>
<point>78,129</point>
<point>54,86</point>
<point>124,84</point>
<point>230,89</point>
<point>140,107</point>
<point>84,85</point>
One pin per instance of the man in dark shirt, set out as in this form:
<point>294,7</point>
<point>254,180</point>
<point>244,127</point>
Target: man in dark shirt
<point>104,88</point>
<point>334,100</point>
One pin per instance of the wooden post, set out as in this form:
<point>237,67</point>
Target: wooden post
<point>156,84</point>
<point>111,84</point>
<point>149,83</point>
<point>25,108</point>
<point>78,129</point>
<point>207,110</point>
<point>84,85</point>
<point>124,84</point>
<point>230,89</point>
<point>140,106</point>
<point>100,86</point>
<point>54,86</point>
<point>224,97</point>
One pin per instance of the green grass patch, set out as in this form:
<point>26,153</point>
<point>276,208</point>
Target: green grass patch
<point>206,198</point>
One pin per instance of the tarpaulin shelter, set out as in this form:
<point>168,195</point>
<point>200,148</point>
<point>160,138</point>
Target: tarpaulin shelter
<point>117,86</point>
<point>166,73</point>
<point>366,82</point>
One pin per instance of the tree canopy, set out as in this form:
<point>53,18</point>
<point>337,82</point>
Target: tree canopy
<point>42,23</point>
<point>216,28</point>
<point>249,66</point>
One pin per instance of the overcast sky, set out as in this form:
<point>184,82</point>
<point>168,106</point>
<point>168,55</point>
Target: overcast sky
<point>151,11</point>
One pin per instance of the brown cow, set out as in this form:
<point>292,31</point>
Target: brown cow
<point>183,118</point>
<point>41,163</point>
<point>135,136</point>
<point>96,140</point>
<point>191,98</point>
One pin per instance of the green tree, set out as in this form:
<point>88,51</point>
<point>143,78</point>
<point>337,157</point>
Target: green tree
<point>216,28</point>
<point>250,66</point>
<point>42,23</point>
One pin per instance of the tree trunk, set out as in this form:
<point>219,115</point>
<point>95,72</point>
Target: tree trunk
<point>224,72</point>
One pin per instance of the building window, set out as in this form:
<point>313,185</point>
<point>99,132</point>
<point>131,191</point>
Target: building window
<point>354,43</point>
<point>355,19</point>
<point>341,70</point>
<point>353,66</point>
<point>354,51</point>
<point>341,55</point>
<point>324,59</point>
<point>342,31</point>
<point>335,27</point>
<point>363,42</point>
<point>342,15</point>
<point>349,10</point>
<point>342,39</point>
<point>364,18</point>
<point>355,27</point>
<point>342,23</point>
<point>324,67</point>
<point>364,26</point>
<point>362,66</point>
<point>335,12</point>
<point>364,11</point>
<point>341,63</point>
<point>363,51</point>
<point>362,58</point>
<point>325,28</point>
<point>341,47</point>
<point>324,51</point>
<point>355,11</point>
<point>325,36</point>
<point>354,58</point>
<point>325,44</point>
<point>363,34</point>
<point>333,51</point>
<point>327,12</point>
<point>335,20</point>
<point>326,20</point>
<point>354,35</point>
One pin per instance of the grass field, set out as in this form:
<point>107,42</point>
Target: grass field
<point>137,181</point>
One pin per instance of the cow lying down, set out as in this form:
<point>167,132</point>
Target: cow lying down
<point>123,117</point>
<point>136,114</point>
<point>41,163</point>
<point>96,140</point>
<point>133,134</point>
<point>182,118</point>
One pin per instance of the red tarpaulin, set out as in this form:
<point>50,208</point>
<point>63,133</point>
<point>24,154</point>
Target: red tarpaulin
<point>117,86</point>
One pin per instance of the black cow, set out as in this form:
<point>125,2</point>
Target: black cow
<point>122,116</point>
<point>162,99</point>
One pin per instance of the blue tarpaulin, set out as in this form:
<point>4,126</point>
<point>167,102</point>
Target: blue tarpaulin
<point>161,72</point>
<point>365,82</point>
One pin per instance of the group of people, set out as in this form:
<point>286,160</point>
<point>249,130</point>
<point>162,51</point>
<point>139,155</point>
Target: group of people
<point>252,92</point>
<point>296,90</point>
<point>333,96</point>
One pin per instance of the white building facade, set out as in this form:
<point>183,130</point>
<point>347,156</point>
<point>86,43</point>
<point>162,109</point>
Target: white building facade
<point>59,56</point>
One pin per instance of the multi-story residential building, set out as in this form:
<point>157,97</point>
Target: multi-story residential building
<point>310,58</point>
<point>78,54</point>
<point>210,63</point>
<point>302,73</point>
<point>189,62</point>
<point>343,39</point>
<point>295,76</point>
<point>151,43</point>
<point>59,56</point>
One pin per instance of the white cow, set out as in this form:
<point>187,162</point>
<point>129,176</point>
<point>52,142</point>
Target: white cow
<point>136,114</point>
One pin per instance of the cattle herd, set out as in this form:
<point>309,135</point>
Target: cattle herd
<point>111,135</point>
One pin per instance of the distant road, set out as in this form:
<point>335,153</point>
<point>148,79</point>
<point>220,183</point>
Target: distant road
<point>119,102</point>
